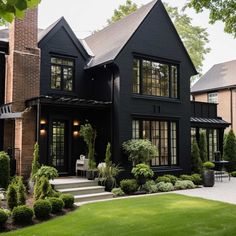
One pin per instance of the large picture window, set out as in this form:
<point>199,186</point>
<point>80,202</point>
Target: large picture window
<point>155,78</point>
<point>163,134</point>
<point>62,73</point>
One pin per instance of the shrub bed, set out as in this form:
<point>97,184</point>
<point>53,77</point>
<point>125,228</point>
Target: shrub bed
<point>22,214</point>
<point>68,200</point>
<point>42,209</point>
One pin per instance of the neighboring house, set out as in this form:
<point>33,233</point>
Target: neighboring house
<point>129,80</point>
<point>218,86</point>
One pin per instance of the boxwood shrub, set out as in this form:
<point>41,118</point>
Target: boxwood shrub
<point>233,174</point>
<point>22,214</point>
<point>118,192</point>
<point>4,170</point>
<point>197,179</point>
<point>57,204</point>
<point>42,209</point>
<point>129,185</point>
<point>150,187</point>
<point>165,187</point>
<point>3,218</point>
<point>172,178</point>
<point>68,200</point>
<point>186,177</point>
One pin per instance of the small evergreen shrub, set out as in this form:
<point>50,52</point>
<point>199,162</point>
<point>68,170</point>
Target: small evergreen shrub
<point>4,170</point>
<point>22,214</point>
<point>197,179</point>
<point>203,146</point>
<point>208,165</point>
<point>230,150</point>
<point>42,188</point>
<point>57,204</point>
<point>164,179</point>
<point>3,218</point>
<point>165,187</point>
<point>35,163</point>
<point>118,192</point>
<point>196,162</point>
<point>12,199</point>
<point>42,209</point>
<point>21,192</point>
<point>68,200</point>
<point>150,187</point>
<point>186,177</point>
<point>172,178</point>
<point>233,174</point>
<point>184,184</point>
<point>129,185</point>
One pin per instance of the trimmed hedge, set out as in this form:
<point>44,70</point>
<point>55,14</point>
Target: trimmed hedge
<point>172,178</point>
<point>165,187</point>
<point>57,204</point>
<point>129,185</point>
<point>22,214</point>
<point>184,184</point>
<point>4,170</point>
<point>164,179</point>
<point>3,218</point>
<point>68,200</point>
<point>197,179</point>
<point>42,209</point>
<point>233,174</point>
<point>186,177</point>
<point>150,187</point>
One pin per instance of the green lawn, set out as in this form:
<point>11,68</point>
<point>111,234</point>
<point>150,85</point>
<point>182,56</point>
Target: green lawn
<point>159,215</point>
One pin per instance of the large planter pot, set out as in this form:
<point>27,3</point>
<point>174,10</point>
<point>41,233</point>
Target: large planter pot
<point>109,184</point>
<point>208,177</point>
<point>90,175</point>
<point>141,180</point>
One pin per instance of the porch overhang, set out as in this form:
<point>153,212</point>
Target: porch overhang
<point>209,122</point>
<point>67,102</point>
<point>6,112</point>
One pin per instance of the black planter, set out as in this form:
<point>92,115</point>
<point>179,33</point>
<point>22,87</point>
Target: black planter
<point>109,184</point>
<point>90,175</point>
<point>141,180</point>
<point>208,177</point>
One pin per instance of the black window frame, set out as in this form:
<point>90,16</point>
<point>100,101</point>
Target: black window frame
<point>170,79</point>
<point>62,66</point>
<point>139,123</point>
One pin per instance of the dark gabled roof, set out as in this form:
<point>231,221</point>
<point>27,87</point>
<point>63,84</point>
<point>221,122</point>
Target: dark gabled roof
<point>107,43</point>
<point>220,76</point>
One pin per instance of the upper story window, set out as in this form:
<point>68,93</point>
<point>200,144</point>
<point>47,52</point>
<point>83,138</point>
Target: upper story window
<point>155,78</point>
<point>213,97</point>
<point>62,73</point>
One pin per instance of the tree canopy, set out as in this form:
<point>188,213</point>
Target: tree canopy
<point>195,38</point>
<point>219,11</point>
<point>9,9</point>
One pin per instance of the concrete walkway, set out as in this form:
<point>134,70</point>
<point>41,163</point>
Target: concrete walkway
<point>222,191</point>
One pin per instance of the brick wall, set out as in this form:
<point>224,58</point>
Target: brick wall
<point>22,83</point>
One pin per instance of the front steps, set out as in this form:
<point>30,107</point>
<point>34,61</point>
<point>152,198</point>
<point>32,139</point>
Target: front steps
<point>84,190</point>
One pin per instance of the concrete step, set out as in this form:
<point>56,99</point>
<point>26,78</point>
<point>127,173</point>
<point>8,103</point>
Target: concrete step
<point>74,184</point>
<point>93,197</point>
<point>83,190</point>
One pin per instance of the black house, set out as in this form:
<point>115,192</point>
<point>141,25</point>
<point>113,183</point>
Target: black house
<point>129,80</point>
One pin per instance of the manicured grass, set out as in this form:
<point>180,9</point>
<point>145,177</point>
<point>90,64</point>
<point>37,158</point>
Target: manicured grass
<point>164,215</point>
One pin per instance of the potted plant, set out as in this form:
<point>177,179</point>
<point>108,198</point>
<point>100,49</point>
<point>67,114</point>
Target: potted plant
<point>108,171</point>
<point>139,150</point>
<point>142,172</point>
<point>89,135</point>
<point>208,174</point>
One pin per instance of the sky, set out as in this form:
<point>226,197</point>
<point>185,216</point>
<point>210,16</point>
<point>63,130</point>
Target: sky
<point>85,16</point>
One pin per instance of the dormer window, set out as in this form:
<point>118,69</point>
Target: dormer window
<point>62,73</point>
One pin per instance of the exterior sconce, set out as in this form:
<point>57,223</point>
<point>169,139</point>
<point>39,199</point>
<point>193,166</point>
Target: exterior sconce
<point>76,124</point>
<point>43,124</point>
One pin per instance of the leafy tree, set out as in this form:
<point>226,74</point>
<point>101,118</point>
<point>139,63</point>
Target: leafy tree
<point>203,147</point>
<point>219,11</point>
<point>9,9</point>
<point>122,11</point>
<point>230,149</point>
<point>195,38</point>
<point>196,160</point>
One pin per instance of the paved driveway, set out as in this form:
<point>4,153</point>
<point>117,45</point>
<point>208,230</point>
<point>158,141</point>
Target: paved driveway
<point>222,191</point>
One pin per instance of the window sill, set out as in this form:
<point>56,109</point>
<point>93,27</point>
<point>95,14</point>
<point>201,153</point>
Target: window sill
<point>154,98</point>
<point>166,168</point>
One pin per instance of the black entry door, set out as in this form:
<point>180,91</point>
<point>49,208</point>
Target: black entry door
<point>59,146</point>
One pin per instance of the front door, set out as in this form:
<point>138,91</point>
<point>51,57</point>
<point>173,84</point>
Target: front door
<point>59,147</point>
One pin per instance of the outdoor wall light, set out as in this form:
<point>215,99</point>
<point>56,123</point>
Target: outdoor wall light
<point>76,124</point>
<point>43,124</point>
